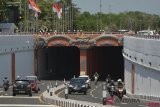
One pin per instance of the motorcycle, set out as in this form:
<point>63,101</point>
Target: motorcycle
<point>108,81</point>
<point>120,93</point>
<point>95,80</point>
<point>6,87</point>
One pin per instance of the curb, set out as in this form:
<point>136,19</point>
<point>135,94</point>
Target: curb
<point>143,97</point>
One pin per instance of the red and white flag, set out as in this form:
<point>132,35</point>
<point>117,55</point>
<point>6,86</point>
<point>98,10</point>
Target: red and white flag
<point>57,8</point>
<point>33,6</point>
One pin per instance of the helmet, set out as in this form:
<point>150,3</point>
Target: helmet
<point>18,77</point>
<point>5,78</point>
<point>112,81</point>
<point>119,80</point>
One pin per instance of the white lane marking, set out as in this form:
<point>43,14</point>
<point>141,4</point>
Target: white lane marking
<point>25,105</point>
<point>91,92</point>
<point>59,93</point>
<point>43,83</point>
<point>18,97</point>
<point>143,106</point>
<point>1,91</point>
<point>126,96</point>
<point>124,103</point>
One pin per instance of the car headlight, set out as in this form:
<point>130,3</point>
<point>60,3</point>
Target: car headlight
<point>83,86</point>
<point>71,86</point>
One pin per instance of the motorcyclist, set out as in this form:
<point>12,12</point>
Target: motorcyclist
<point>5,82</point>
<point>120,84</point>
<point>108,79</point>
<point>96,76</point>
<point>18,77</point>
<point>112,83</point>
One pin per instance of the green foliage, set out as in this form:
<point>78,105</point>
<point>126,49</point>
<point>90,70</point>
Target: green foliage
<point>73,19</point>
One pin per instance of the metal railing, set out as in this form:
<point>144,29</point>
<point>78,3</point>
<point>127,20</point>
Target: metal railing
<point>146,36</point>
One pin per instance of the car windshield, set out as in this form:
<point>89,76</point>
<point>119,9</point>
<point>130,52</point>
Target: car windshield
<point>85,78</point>
<point>77,81</point>
<point>32,81</point>
<point>21,82</point>
<point>31,78</point>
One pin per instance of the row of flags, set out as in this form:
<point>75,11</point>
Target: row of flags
<point>55,6</point>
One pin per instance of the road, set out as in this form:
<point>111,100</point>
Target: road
<point>94,95</point>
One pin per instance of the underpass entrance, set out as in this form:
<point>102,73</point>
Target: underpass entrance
<point>106,60</point>
<point>57,63</point>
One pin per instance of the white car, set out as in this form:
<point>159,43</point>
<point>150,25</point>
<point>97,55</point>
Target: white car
<point>87,79</point>
<point>34,83</point>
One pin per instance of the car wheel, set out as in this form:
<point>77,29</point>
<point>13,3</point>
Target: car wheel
<point>85,92</point>
<point>14,94</point>
<point>69,92</point>
<point>30,94</point>
<point>36,91</point>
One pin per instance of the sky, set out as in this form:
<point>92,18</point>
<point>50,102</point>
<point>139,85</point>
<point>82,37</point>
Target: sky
<point>117,6</point>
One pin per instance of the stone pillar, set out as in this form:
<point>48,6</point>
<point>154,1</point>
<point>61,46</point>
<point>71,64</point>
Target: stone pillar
<point>13,66</point>
<point>36,62</point>
<point>83,61</point>
<point>132,78</point>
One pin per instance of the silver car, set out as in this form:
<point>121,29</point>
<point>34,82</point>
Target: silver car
<point>87,80</point>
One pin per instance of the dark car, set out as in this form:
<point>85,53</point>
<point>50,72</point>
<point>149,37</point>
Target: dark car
<point>22,87</point>
<point>77,85</point>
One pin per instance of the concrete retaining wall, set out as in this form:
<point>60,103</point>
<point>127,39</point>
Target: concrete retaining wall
<point>144,55</point>
<point>22,46</point>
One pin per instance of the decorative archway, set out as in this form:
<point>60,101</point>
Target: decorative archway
<point>83,42</point>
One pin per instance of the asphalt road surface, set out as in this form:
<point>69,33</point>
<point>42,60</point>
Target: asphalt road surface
<point>94,94</point>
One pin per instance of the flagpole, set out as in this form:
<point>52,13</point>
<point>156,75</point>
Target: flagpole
<point>27,13</point>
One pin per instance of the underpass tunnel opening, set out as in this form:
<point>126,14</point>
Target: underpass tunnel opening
<point>106,60</point>
<point>57,63</point>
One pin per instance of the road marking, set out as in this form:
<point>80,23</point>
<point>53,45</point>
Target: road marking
<point>25,105</point>
<point>143,106</point>
<point>91,92</point>
<point>17,97</point>
<point>43,83</point>
<point>124,103</point>
<point>1,91</point>
<point>59,93</point>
